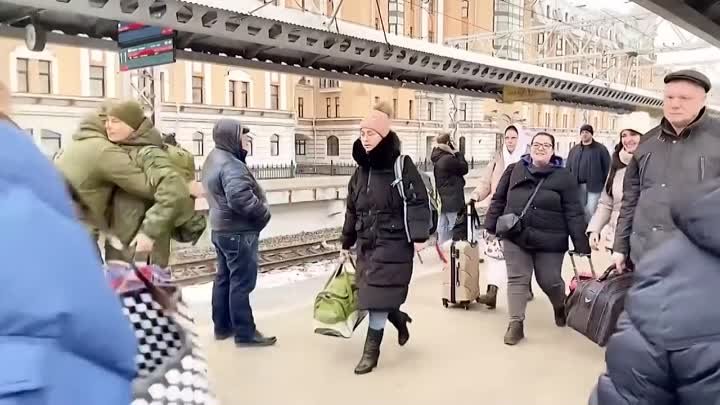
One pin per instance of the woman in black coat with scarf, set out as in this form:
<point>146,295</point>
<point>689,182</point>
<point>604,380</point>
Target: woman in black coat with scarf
<point>542,239</point>
<point>375,222</point>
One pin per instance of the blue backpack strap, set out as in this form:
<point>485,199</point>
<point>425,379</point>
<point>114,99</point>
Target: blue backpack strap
<point>398,183</point>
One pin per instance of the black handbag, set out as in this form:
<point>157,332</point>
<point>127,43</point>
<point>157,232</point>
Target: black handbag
<point>510,225</point>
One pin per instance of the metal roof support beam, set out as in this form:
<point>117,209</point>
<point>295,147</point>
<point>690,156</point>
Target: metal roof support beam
<point>290,37</point>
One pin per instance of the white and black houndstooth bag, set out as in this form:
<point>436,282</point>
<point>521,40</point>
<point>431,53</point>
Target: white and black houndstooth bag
<point>171,370</point>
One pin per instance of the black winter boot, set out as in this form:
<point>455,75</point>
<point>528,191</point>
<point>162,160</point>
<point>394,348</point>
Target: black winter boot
<point>489,298</point>
<point>514,333</point>
<point>371,352</point>
<point>399,320</point>
<point>560,319</point>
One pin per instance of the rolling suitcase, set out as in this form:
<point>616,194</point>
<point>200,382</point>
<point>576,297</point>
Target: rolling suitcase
<point>594,307</point>
<point>461,276</point>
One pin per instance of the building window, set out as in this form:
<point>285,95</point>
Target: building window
<point>410,109</point>
<point>198,95</point>
<point>244,94</point>
<point>396,17</point>
<point>547,11</point>
<point>337,107</point>
<point>333,146</point>
<point>301,107</point>
<point>163,96</point>
<point>461,145</point>
<point>274,96</point>
<point>97,81</point>
<point>431,36</point>
<point>565,121</point>
<point>198,143</point>
<point>329,84</point>
<point>23,78</point>
<point>45,84</point>
<point>300,146</point>
<point>395,108</point>
<point>275,145</point>
<point>547,120</point>
<point>464,9</point>
<point>249,146</point>
<point>328,107</point>
<point>50,142</point>
<point>430,108</point>
<point>232,86</point>
<point>463,111</point>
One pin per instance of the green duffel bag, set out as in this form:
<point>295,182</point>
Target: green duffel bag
<point>335,312</point>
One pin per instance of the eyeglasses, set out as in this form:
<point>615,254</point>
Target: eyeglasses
<point>542,145</point>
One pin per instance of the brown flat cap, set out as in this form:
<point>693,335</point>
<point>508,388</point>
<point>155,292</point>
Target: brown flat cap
<point>691,76</point>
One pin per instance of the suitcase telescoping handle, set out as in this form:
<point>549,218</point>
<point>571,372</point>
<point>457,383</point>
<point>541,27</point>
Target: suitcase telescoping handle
<point>572,255</point>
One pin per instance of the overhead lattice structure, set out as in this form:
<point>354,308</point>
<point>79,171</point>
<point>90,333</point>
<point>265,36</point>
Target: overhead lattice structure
<point>303,43</point>
<point>613,48</point>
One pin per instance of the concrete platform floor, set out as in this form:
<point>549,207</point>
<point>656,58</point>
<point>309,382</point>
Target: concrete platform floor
<point>453,356</point>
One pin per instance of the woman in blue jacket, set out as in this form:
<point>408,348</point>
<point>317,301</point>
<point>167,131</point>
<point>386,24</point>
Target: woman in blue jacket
<point>63,337</point>
<point>666,350</point>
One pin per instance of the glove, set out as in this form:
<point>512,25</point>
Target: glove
<point>594,240</point>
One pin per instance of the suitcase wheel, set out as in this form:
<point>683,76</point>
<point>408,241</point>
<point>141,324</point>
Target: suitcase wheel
<point>445,302</point>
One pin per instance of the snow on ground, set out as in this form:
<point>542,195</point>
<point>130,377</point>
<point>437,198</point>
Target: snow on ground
<point>271,279</point>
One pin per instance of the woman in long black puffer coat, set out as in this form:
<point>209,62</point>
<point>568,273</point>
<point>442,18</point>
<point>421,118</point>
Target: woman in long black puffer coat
<point>375,220</point>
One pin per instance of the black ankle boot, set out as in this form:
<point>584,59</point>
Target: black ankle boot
<point>489,298</point>
<point>560,319</point>
<point>514,333</point>
<point>371,352</point>
<point>399,320</point>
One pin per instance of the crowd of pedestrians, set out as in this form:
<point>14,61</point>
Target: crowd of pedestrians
<point>652,203</point>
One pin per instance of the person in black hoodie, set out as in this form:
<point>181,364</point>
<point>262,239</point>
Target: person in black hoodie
<point>666,349</point>
<point>238,212</point>
<point>450,167</point>
<point>376,224</point>
<point>542,241</point>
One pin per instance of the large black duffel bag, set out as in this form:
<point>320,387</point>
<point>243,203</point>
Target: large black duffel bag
<point>595,306</point>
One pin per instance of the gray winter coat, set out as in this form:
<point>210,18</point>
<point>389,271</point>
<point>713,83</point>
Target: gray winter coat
<point>666,350</point>
<point>237,202</point>
<point>663,162</point>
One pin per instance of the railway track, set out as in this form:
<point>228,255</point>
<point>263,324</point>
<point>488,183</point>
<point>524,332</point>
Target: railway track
<point>202,269</point>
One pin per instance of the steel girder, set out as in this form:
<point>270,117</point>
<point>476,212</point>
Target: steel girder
<point>292,41</point>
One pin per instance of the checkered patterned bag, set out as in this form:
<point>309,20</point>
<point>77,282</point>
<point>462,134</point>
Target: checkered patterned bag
<point>171,370</point>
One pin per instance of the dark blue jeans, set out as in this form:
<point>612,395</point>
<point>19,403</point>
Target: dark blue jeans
<point>237,271</point>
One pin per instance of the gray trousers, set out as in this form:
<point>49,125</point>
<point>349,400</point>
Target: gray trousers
<point>520,266</point>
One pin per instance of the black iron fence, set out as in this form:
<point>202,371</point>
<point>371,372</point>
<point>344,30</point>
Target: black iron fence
<point>292,170</point>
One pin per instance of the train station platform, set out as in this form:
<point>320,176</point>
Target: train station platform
<point>454,356</point>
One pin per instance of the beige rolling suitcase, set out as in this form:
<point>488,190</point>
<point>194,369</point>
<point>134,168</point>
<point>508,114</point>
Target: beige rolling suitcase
<point>461,275</point>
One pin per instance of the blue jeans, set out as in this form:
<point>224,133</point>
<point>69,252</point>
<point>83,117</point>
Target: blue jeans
<point>589,201</point>
<point>446,223</point>
<point>237,272</point>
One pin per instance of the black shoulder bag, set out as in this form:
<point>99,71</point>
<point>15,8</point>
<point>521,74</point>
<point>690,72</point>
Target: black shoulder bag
<point>510,225</point>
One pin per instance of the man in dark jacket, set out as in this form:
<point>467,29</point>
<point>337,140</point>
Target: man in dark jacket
<point>683,150</point>
<point>666,350</point>
<point>238,212</point>
<point>589,162</point>
<point>450,167</point>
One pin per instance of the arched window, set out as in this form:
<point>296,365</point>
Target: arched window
<point>300,145</point>
<point>333,146</point>
<point>50,141</point>
<point>198,143</point>
<point>274,145</point>
<point>249,146</point>
<point>461,145</point>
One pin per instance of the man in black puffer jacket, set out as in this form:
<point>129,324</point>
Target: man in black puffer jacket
<point>666,350</point>
<point>450,167</point>
<point>238,212</point>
